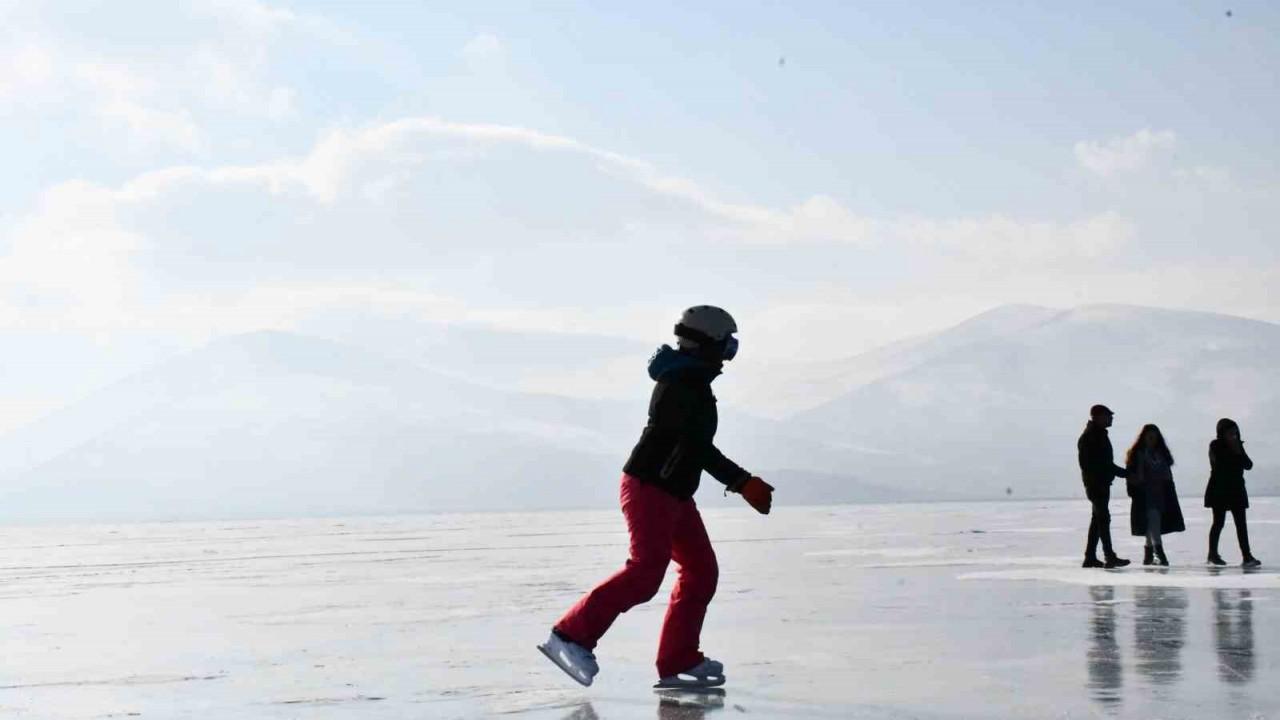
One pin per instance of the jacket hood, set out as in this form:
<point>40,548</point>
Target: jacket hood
<point>667,361</point>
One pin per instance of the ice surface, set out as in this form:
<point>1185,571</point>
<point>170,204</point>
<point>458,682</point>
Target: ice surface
<point>924,611</point>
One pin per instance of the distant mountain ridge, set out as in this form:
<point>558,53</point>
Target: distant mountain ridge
<point>1004,411</point>
<point>277,423</point>
<point>281,423</point>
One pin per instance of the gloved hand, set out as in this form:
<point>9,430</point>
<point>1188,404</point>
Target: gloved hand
<point>758,493</point>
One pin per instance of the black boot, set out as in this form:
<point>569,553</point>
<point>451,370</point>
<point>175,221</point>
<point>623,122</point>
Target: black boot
<point>1164,560</point>
<point>1114,561</point>
<point>1216,559</point>
<point>1146,556</point>
<point>1092,562</point>
<point>1251,562</point>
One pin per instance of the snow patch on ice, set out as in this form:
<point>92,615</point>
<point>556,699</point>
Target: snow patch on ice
<point>963,561</point>
<point>1130,578</point>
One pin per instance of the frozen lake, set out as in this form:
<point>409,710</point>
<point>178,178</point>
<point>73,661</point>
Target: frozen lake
<point>895,611</point>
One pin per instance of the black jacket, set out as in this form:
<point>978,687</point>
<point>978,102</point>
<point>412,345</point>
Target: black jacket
<point>1151,487</point>
<point>1097,460</point>
<point>677,444</point>
<point>1225,490</point>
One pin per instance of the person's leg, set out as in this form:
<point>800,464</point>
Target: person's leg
<point>695,586</point>
<point>651,514</point>
<point>1242,532</point>
<point>1091,544</point>
<point>1102,517</point>
<point>1153,528</point>
<point>1215,530</point>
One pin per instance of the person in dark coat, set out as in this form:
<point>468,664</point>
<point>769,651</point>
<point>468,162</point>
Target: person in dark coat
<point>1225,492</point>
<point>1154,510</point>
<point>1098,469</point>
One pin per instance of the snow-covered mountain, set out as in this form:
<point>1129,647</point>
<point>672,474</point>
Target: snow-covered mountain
<point>1001,410</point>
<point>274,422</point>
<point>575,365</point>
<point>287,424</point>
<point>283,424</point>
<point>783,389</point>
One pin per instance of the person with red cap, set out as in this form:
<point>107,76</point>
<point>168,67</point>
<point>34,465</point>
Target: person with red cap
<point>658,484</point>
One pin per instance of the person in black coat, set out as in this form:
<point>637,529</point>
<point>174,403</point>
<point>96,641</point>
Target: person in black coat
<point>1155,509</point>
<point>1225,492</point>
<point>1098,469</point>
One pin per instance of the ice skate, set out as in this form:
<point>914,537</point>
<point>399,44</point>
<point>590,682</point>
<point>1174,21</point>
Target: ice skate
<point>706,674</point>
<point>576,661</point>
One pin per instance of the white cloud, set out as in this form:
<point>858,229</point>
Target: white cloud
<point>162,96</point>
<point>69,261</point>
<point>175,128</point>
<point>73,255</point>
<point>75,243</point>
<point>121,99</point>
<point>328,169</point>
<point>1207,176</point>
<point>483,48</point>
<point>1001,241</point>
<point>251,15</point>
<point>259,18</point>
<point>281,104</point>
<point>1123,154</point>
<point>24,69</point>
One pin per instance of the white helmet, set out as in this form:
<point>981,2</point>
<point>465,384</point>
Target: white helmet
<point>705,327</point>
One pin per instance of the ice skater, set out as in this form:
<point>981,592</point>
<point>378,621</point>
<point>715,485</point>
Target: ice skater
<point>1098,469</point>
<point>1225,492</point>
<point>658,483</point>
<point>1155,510</point>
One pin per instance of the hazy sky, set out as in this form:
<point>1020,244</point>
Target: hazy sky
<point>837,174</point>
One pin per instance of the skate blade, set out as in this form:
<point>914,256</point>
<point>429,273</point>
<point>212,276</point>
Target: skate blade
<point>707,698</point>
<point>568,669</point>
<point>708,683</point>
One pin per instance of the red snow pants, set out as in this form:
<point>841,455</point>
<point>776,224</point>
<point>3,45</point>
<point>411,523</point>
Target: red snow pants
<point>663,528</point>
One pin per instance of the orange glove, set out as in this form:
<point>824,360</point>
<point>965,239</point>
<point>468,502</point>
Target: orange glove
<point>758,493</point>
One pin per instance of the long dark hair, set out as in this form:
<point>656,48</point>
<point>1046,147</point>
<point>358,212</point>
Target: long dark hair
<point>1226,425</point>
<point>1162,447</point>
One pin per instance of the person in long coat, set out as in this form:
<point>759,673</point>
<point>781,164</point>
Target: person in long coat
<point>1154,511</point>
<point>1225,491</point>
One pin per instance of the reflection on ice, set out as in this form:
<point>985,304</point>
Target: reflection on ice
<point>585,711</point>
<point>1106,675</point>
<point>1233,635</point>
<point>672,705</point>
<point>1159,632</point>
<point>689,704</point>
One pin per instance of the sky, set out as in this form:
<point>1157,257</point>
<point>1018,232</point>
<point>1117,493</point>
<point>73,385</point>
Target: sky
<point>838,175</point>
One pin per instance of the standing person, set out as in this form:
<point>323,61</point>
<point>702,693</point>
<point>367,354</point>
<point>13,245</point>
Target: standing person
<point>1225,491</point>
<point>1098,468</point>
<point>1155,510</point>
<point>658,483</point>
